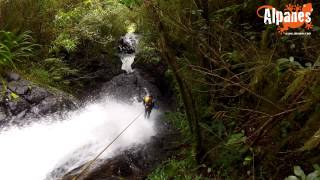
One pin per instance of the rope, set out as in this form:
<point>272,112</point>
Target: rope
<point>87,166</point>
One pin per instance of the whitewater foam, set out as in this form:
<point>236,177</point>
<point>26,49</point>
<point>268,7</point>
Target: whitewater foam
<point>34,151</point>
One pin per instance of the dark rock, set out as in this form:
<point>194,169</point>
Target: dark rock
<point>3,114</point>
<point>11,76</point>
<point>155,72</point>
<point>19,87</point>
<point>97,68</point>
<point>130,86</point>
<point>53,104</point>
<point>24,102</point>
<point>121,167</point>
<point>48,105</point>
<point>30,116</point>
<point>36,95</point>
<point>21,115</point>
<point>18,105</point>
<point>127,44</point>
<point>35,110</point>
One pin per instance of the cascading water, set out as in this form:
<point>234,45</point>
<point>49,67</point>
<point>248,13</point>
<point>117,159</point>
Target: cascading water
<point>34,151</point>
<point>127,48</point>
<point>49,148</point>
<point>127,61</point>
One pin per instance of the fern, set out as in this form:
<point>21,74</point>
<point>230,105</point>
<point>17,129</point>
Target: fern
<point>15,48</point>
<point>58,70</point>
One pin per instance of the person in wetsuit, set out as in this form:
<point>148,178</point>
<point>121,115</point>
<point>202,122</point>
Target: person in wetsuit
<point>148,103</point>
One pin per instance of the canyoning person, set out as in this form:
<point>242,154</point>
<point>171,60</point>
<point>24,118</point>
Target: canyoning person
<point>148,103</point>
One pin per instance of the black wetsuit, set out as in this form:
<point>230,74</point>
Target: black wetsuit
<point>148,108</point>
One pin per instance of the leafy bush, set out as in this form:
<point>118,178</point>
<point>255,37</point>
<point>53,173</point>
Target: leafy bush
<point>256,80</point>
<point>32,15</point>
<point>177,169</point>
<point>101,22</point>
<point>299,174</point>
<point>178,120</point>
<point>15,48</point>
<point>58,70</point>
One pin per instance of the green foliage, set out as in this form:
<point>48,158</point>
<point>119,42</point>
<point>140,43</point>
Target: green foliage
<point>62,27</point>
<point>15,48</point>
<point>65,41</point>
<point>32,15</point>
<point>131,3</point>
<point>312,142</point>
<point>101,22</point>
<point>178,120</point>
<point>299,174</point>
<point>58,70</point>
<point>13,96</point>
<point>148,52</point>
<point>284,64</point>
<point>231,152</point>
<point>235,139</point>
<point>52,73</point>
<point>254,90</point>
<point>177,169</point>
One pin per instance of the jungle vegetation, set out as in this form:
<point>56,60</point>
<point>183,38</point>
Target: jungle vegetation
<point>248,98</point>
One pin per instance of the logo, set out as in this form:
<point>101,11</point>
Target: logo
<point>293,17</point>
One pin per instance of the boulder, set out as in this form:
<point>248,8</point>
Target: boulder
<point>18,105</point>
<point>36,95</point>
<point>11,76</point>
<point>3,114</point>
<point>24,101</point>
<point>49,104</point>
<point>20,87</point>
<point>128,43</point>
<point>129,87</point>
<point>20,116</point>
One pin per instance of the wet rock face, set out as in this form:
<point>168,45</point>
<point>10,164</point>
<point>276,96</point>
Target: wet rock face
<point>37,94</point>
<point>21,100</point>
<point>3,114</point>
<point>94,70</point>
<point>126,47</point>
<point>131,86</point>
<point>17,105</point>
<point>128,43</point>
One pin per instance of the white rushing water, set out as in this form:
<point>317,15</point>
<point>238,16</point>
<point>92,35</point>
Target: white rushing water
<point>127,60</point>
<point>33,152</point>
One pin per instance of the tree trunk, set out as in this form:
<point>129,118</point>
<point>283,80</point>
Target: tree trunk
<point>187,97</point>
<point>186,94</point>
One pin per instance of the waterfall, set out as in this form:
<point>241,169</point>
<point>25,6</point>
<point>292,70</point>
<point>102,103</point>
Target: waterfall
<point>127,61</point>
<point>128,48</point>
<point>33,152</point>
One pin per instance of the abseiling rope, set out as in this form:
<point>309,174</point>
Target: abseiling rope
<point>87,166</point>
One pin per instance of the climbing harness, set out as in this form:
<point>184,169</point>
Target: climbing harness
<point>89,164</point>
